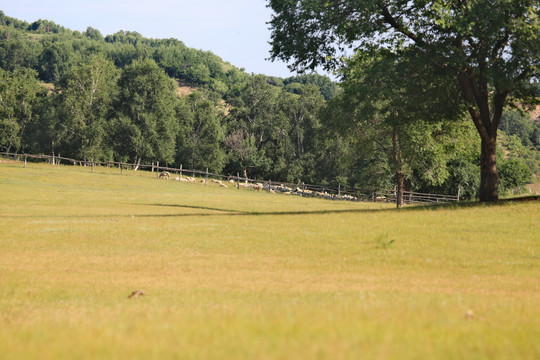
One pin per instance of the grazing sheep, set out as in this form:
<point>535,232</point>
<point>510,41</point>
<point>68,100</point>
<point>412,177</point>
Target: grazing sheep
<point>218,182</point>
<point>223,185</point>
<point>164,175</point>
<point>257,186</point>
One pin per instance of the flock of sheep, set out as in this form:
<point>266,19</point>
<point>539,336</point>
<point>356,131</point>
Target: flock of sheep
<point>274,189</point>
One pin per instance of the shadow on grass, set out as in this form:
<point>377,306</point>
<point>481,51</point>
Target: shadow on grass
<point>233,212</point>
<point>431,207</point>
<point>195,207</point>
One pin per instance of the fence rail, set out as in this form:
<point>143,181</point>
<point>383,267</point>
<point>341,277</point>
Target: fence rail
<point>300,189</point>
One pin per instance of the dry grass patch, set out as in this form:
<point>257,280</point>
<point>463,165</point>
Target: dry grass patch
<point>183,89</point>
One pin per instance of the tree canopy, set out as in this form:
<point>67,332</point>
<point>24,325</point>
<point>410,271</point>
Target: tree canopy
<point>491,48</point>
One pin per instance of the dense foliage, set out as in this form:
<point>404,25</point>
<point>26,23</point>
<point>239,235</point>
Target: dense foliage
<point>116,97</point>
<point>490,48</point>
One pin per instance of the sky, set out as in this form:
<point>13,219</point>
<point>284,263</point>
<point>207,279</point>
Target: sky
<point>235,30</point>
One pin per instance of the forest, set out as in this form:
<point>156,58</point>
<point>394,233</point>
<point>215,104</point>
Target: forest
<point>123,97</point>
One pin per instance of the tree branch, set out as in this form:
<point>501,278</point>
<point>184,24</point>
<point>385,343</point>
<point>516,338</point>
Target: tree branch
<point>390,20</point>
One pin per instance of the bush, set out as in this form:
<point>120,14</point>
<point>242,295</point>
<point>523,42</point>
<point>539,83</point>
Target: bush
<point>513,174</point>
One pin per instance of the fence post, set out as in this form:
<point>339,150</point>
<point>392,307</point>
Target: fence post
<point>157,169</point>
<point>303,189</point>
<point>238,180</point>
<point>25,162</point>
<point>58,161</point>
<point>180,171</point>
<point>206,178</point>
<point>458,192</point>
<point>121,168</point>
<point>339,189</point>
<point>92,165</point>
<point>152,166</point>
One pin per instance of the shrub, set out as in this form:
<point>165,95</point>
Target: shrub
<point>513,173</point>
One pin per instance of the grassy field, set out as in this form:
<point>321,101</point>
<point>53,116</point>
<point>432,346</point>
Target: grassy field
<point>238,274</point>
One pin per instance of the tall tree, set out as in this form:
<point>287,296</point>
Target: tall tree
<point>20,94</point>
<point>250,125</point>
<point>390,97</point>
<point>86,95</point>
<point>147,119</point>
<point>303,111</point>
<point>295,133</point>
<point>201,135</point>
<point>490,46</point>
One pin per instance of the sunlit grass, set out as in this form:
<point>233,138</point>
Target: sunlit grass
<point>240,274</point>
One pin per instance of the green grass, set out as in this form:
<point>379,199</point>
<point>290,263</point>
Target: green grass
<point>240,274</point>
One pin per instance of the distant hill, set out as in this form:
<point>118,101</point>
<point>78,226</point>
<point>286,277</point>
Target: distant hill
<point>52,49</point>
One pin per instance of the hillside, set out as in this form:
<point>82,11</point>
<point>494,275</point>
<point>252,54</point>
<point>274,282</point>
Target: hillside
<point>52,49</point>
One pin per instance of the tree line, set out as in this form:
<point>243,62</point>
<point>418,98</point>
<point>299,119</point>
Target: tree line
<point>115,98</point>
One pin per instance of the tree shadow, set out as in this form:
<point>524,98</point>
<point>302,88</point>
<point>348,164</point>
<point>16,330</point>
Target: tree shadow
<point>217,212</point>
<point>232,212</point>
<point>427,207</point>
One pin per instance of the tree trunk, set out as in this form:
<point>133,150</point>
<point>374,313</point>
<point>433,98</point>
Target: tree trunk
<point>400,180</point>
<point>486,118</point>
<point>489,177</point>
<point>138,163</point>
<point>407,187</point>
<point>400,177</point>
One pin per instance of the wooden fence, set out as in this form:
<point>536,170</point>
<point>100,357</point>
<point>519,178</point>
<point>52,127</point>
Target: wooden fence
<point>300,189</point>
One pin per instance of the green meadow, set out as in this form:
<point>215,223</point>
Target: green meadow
<point>241,274</point>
